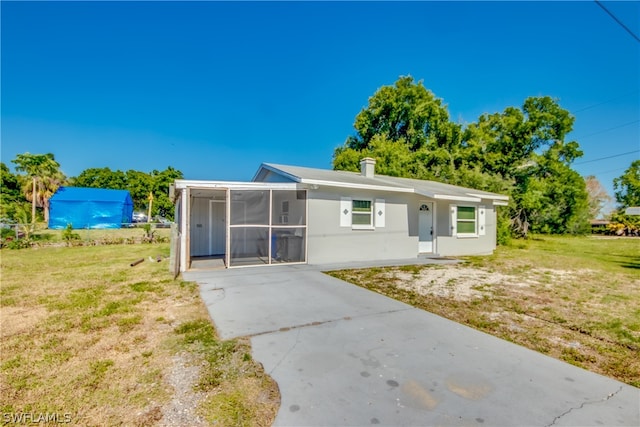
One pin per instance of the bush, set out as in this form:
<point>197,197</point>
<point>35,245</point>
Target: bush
<point>16,243</point>
<point>7,233</point>
<point>69,236</point>
<point>624,225</point>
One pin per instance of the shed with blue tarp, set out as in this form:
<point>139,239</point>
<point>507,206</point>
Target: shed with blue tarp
<point>90,208</point>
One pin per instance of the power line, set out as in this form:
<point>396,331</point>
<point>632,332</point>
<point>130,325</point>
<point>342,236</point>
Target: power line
<point>604,102</point>
<point>613,128</point>
<point>608,172</point>
<point>608,157</point>
<point>618,21</point>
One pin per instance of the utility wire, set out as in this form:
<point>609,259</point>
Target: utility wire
<point>604,102</point>
<point>618,21</point>
<point>608,172</point>
<point>608,157</point>
<point>607,130</point>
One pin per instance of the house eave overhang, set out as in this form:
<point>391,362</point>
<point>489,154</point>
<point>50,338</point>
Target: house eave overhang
<point>234,185</point>
<point>457,198</point>
<point>317,183</point>
<point>490,196</point>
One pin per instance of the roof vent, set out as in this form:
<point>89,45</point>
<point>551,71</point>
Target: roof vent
<point>367,167</point>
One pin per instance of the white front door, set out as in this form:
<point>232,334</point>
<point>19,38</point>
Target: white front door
<point>199,224</point>
<point>218,227</point>
<point>425,227</point>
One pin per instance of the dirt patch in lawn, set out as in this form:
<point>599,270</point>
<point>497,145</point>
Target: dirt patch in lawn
<point>457,282</point>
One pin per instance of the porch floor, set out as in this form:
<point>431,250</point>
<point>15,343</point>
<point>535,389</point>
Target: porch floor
<point>207,263</point>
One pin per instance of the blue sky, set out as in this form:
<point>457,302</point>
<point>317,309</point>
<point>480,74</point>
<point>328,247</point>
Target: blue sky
<point>215,88</point>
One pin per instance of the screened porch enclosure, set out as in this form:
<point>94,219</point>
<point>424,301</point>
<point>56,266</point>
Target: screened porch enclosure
<point>266,226</point>
<point>247,226</point>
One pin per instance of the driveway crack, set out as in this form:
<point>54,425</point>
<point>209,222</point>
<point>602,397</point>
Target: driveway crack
<point>317,323</point>
<point>284,356</point>
<point>609,396</point>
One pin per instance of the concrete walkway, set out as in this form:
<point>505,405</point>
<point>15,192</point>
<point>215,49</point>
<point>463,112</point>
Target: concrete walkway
<point>345,356</point>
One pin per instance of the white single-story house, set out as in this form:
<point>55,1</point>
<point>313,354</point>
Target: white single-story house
<point>291,214</point>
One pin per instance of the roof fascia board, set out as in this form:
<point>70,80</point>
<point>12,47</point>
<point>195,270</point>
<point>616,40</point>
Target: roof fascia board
<point>448,197</point>
<point>357,186</point>
<point>213,185</point>
<point>490,196</point>
<point>275,170</point>
<point>456,198</point>
<point>500,203</point>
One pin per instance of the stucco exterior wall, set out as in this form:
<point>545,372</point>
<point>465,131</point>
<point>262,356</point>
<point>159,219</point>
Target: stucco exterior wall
<point>449,245</point>
<point>328,242</point>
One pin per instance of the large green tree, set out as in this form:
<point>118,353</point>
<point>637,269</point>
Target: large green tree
<point>101,178</point>
<point>162,205</point>
<point>43,177</point>
<point>627,186</point>
<point>521,152</point>
<point>10,193</point>
<point>139,184</point>
<point>627,191</point>
<point>408,128</point>
<point>526,148</point>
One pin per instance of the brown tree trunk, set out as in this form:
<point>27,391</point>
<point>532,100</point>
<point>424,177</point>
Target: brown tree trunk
<point>33,202</point>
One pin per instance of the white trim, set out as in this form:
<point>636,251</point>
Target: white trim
<point>489,196</point>
<point>356,186</point>
<point>433,231</point>
<point>185,250</point>
<point>453,220</point>
<point>499,203</point>
<point>456,198</point>
<point>270,234</point>
<point>466,235</point>
<point>371,225</point>
<point>379,211</point>
<point>227,252</point>
<point>482,220</point>
<point>236,185</point>
<point>345,211</point>
<point>435,227</point>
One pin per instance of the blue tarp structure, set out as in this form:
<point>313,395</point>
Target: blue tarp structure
<point>89,208</point>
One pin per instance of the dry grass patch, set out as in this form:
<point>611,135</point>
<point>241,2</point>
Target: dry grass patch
<point>85,334</point>
<point>575,299</point>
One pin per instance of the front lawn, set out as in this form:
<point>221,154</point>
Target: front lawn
<point>88,338</point>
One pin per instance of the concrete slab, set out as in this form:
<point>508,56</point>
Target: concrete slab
<point>412,368</point>
<point>260,300</point>
<point>343,355</point>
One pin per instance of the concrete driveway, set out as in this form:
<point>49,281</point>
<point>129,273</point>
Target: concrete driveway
<point>346,356</point>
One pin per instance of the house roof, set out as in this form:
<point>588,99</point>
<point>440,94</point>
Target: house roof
<point>431,189</point>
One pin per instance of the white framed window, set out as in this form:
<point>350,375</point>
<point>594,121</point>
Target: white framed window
<point>464,221</point>
<point>361,214</point>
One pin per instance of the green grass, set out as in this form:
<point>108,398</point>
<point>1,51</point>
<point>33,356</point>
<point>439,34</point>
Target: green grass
<point>45,237</point>
<point>85,333</point>
<point>577,299</point>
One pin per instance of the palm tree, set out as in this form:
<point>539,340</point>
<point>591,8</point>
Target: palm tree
<point>44,175</point>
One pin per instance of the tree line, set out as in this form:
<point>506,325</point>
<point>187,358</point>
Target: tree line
<point>25,195</point>
<point>522,152</point>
